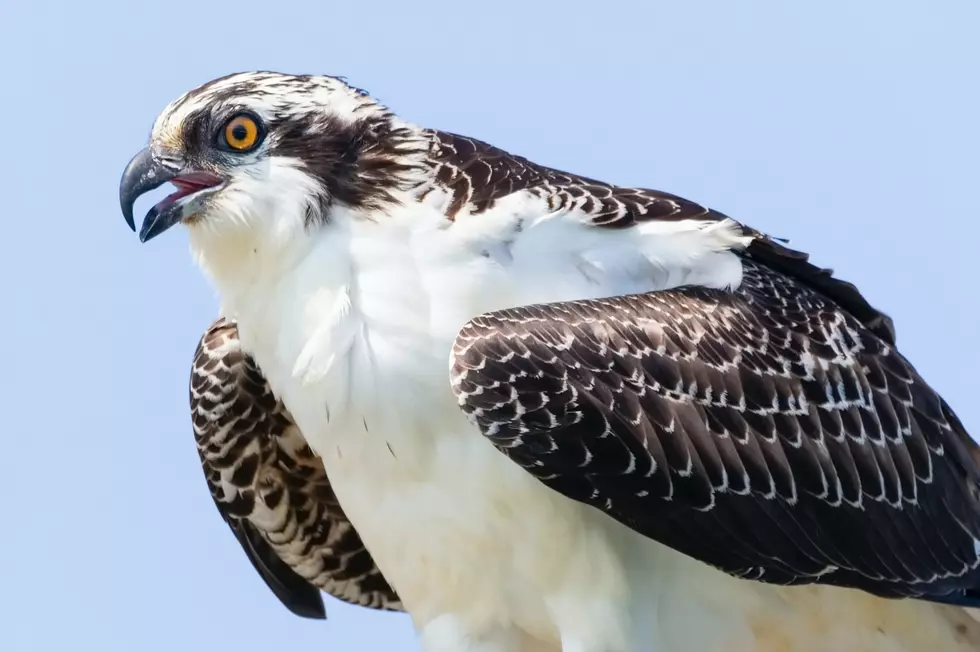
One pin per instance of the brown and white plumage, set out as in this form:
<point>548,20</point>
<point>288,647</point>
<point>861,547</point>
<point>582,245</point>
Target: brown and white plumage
<point>757,430</point>
<point>271,489</point>
<point>656,407</point>
<point>675,388</point>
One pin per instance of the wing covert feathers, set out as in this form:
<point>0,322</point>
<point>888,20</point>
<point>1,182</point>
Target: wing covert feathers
<point>765,431</point>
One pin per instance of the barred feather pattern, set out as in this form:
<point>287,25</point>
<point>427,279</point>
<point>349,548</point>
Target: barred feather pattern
<point>477,174</point>
<point>271,488</point>
<point>765,431</point>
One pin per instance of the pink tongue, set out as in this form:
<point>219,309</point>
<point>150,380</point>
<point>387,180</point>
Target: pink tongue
<point>195,181</point>
<point>188,184</point>
<point>185,186</point>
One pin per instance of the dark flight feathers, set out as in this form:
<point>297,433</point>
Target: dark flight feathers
<point>774,432</point>
<point>295,592</point>
<point>765,431</point>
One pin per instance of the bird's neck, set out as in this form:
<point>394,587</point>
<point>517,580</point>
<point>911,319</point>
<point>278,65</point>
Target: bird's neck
<point>238,265</point>
<point>343,306</point>
<point>257,277</point>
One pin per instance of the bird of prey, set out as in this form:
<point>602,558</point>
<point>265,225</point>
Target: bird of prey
<point>563,414</point>
<point>271,489</point>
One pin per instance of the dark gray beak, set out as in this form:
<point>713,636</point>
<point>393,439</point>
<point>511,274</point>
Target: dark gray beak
<point>142,175</point>
<point>145,173</point>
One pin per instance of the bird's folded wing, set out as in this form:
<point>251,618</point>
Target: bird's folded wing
<point>271,489</point>
<point>764,431</point>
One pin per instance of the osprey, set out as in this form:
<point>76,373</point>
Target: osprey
<point>562,414</point>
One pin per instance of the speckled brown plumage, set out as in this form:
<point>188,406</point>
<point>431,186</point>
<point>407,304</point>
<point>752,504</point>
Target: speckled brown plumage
<point>765,431</point>
<point>478,174</point>
<point>271,489</point>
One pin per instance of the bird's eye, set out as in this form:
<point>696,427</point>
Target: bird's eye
<point>241,133</point>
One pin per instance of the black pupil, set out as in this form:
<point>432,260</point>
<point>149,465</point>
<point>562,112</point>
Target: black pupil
<point>239,132</point>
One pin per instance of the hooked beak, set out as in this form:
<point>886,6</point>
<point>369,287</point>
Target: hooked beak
<point>145,173</point>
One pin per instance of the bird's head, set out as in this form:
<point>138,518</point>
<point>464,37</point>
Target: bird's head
<point>260,155</point>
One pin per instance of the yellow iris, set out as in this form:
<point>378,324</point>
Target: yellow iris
<point>241,132</point>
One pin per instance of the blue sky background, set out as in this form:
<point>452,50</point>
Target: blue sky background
<point>849,127</point>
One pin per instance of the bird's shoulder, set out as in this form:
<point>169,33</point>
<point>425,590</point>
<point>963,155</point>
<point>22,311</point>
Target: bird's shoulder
<point>477,175</point>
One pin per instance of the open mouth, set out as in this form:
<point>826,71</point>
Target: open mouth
<point>187,185</point>
<point>145,172</point>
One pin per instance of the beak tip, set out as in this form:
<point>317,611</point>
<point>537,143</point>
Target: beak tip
<point>141,175</point>
<point>156,223</point>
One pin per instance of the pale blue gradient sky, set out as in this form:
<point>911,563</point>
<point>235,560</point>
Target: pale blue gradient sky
<point>850,127</point>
